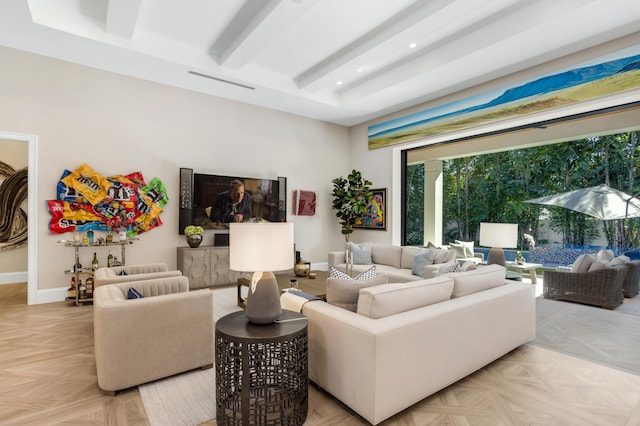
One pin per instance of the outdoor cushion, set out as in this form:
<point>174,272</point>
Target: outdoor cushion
<point>605,255</point>
<point>583,262</point>
<point>620,260</point>
<point>599,265</point>
<point>459,249</point>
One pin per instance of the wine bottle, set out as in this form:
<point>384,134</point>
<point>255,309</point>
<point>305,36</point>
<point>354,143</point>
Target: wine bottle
<point>110,259</point>
<point>94,262</point>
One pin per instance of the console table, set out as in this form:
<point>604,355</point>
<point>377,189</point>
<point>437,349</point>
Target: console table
<point>206,266</point>
<point>261,370</point>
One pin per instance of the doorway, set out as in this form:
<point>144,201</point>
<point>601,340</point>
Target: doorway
<point>31,264</point>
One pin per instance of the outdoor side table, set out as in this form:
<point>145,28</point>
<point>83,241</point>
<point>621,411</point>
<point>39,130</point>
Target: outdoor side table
<point>261,370</point>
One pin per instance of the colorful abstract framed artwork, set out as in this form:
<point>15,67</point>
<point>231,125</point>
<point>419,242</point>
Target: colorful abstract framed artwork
<point>376,215</point>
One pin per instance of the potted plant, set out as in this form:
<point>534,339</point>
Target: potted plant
<point>193,234</point>
<point>350,199</point>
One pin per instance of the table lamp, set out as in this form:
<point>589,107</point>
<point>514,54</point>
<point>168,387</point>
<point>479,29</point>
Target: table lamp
<point>498,236</point>
<point>261,248</point>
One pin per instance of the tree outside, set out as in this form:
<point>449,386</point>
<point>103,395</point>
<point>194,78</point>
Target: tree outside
<point>493,188</point>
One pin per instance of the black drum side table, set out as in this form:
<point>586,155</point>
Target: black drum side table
<point>261,371</point>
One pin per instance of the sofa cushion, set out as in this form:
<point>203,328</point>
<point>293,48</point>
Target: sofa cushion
<point>389,299</point>
<point>484,278</point>
<point>344,292</point>
<point>361,253</point>
<point>583,262</point>
<point>408,254</point>
<point>387,254</point>
<point>421,259</point>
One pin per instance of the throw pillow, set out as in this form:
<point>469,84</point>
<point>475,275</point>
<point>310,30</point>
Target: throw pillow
<point>369,273</point>
<point>459,249</point>
<point>620,260</point>
<point>582,263</point>
<point>344,292</point>
<point>134,294</point>
<point>598,264</point>
<point>422,258</point>
<point>445,268</point>
<point>336,273</point>
<point>469,266</point>
<point>468,247</point>
<point>123,272</point>
<point>361,253</point>
<point>606,255</point>
<point>443,255</point>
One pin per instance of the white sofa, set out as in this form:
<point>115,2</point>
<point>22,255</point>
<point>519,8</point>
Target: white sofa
<point>395,262</point>
<point>379,367</point>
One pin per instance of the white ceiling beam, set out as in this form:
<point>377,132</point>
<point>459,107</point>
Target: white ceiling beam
<point>248,18</point>
<point>122,17</point>
<point>398,23</point>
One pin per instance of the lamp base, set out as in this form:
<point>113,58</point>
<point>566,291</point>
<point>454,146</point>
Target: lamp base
<point>496,257</point>
<point>263,300</point>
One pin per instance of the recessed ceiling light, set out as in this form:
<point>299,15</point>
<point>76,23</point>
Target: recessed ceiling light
<point>338,83</point>
<point>412,45</point>
<point>360,69</point>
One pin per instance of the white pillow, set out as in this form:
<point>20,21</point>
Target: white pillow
<point>606,255</point>
<point>459,249</point>
<point>468,247</point>
<point>598,264</point>
<point>583,262</point>
<point>620,260</point>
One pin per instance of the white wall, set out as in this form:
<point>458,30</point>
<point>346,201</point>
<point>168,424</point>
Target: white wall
<point>119,125</point>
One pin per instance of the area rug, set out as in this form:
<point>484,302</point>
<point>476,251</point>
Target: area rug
<point>189,398</point>
<point>606,337</point>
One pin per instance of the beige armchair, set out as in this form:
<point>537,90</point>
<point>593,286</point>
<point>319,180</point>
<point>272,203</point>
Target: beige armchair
<point>141,272</point>
<point>169,331</point>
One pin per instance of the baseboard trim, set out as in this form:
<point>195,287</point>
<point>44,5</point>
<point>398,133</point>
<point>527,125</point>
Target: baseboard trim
<point>13,277</point>
<point>51,295</point>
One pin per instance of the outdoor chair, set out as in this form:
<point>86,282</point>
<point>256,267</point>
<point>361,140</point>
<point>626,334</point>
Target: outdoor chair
<point>630,285</point>
<point>601,287</point>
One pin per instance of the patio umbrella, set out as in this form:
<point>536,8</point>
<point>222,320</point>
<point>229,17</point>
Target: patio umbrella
<point>602,202</point>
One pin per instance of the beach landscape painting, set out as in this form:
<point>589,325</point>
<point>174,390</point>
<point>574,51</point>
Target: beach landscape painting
<point>614,73</point>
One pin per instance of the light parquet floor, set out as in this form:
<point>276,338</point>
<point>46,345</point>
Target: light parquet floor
<point>47,377</point>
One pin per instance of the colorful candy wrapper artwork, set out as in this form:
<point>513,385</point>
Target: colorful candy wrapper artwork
<point>88,200</point>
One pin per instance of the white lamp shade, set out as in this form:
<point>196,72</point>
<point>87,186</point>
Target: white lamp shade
<point>503,235</point>
<point>260,246</point>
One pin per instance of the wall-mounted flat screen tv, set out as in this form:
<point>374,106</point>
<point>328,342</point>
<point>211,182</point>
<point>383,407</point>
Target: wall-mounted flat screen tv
<point>268,199</point>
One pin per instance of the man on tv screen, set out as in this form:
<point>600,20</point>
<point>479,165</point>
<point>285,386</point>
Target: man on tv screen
<point>232,205</point>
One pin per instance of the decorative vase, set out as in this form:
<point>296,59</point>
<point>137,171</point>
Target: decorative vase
<point>194,240</point>
<point>301,269</point>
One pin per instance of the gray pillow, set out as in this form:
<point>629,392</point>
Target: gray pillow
<point>344,293</point>
<point>361,253</point>
<point>421,259</point>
